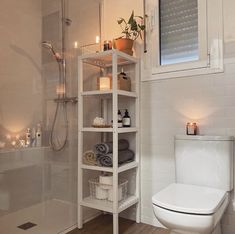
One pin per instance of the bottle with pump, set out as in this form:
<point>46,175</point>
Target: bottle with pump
<point>33,137</point>
<point>39,136</point>
<point>126,120</point>
<point>119,119</point>
<point>28,137</point>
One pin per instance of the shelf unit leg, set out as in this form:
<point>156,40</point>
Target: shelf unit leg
<point>80,220</point>
<point>138,212</point>
<point>115,224</point>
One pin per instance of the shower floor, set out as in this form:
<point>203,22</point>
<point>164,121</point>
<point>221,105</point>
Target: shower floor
<point>51,217</point>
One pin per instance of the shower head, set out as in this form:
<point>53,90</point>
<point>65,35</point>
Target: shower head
<point>48,45</point>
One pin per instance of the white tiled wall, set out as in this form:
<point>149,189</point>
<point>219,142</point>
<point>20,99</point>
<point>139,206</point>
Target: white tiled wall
<point>167,105</point>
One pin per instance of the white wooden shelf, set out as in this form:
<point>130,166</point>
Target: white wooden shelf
<point>122,168</point>
<point>109,93</point>
<point>104,59</point>
<point>106,105</point>
<point>91,129</point>
<point>119,130</point>
<point>107,206</point>
<point>127,130</point>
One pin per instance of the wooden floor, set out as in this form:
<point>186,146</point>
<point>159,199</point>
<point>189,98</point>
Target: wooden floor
<point>103,225</point>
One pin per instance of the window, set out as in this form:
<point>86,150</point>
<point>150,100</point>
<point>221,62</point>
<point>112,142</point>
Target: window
<point>178,31</point>
<point>185,37</point>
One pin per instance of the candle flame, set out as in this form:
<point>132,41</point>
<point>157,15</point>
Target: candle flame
<point>97,39</point>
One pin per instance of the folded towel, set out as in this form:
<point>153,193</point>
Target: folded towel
<point>89,158</point>
<point>124,156</point>
<point>106,148</point>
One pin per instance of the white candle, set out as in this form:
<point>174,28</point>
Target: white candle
<point>75,45</point>
<point>97,39</point>
<point>104,83</point>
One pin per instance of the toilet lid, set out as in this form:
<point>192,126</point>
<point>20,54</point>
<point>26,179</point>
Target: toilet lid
<point>189,199</point>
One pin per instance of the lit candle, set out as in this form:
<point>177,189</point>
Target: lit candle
<point>60,89</point>
<point>22,143</point>
<point>191,129</point>
<point>97,39</point>
<point>75,45</point>
<point>105,83</point>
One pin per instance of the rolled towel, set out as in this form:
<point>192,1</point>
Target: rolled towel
<point>124,156</point>
<point>89,158</point>
<point>107,147</point>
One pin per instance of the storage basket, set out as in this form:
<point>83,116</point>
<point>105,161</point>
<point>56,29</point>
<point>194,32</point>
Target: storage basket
<point>105,192</point>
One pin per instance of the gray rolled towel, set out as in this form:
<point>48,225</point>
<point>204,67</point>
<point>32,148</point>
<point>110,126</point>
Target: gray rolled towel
<point>107,147</point>
<point>106,160</point>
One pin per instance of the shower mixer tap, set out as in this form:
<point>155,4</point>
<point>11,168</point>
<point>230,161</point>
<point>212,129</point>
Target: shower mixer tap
<point>65,100</point>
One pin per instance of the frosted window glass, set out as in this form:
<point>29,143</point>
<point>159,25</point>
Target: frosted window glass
<point>178,31</point>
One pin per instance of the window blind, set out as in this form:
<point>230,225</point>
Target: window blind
<point>178,31</point>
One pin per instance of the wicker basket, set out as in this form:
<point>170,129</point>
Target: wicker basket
<point>105,192</point>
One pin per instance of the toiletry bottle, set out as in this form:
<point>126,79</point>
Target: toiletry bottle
<point>39,136</point>
<point>28,137</point>
<point>33,137</point>
<point>126,120</point>
<point>119,119</point>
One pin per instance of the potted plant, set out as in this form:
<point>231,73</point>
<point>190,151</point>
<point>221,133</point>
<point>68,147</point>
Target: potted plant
<point>131,30</point>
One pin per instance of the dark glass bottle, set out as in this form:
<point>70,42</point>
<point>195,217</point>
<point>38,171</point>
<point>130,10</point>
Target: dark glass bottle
<point>119,119</point>
<point>126,120</point>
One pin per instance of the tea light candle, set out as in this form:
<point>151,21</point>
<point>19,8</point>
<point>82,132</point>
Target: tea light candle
<point>104,83</point>
<point>191,129</point>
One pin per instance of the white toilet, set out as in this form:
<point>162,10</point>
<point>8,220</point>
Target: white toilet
<point>197,201</point>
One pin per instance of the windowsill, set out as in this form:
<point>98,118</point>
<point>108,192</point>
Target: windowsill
<point>181,74</point>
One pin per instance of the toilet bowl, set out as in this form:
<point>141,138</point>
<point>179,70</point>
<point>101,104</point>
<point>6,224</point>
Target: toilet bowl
<point>187,209</point>
<point>197,201</point>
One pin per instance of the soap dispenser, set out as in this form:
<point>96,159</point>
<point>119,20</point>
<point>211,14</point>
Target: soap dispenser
<point>39,136</point>
<point>28,137</point>
<point>126,120</point>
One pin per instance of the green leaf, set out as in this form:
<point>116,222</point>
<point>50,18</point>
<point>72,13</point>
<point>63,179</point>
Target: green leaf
<point>142,27</point>
<point>138,16</point>
<point>134,26</point>
<point>131,18</point>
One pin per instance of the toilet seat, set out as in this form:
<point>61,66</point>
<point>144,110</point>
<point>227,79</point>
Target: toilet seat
<point>190,199</point>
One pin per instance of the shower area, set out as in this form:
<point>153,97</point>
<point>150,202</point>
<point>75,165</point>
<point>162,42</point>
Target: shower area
<point>40,42</point>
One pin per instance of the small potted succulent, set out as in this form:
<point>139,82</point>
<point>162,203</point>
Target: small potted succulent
<point>131,30</point>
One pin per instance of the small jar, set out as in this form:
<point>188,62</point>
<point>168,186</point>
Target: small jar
<point>107,45</point>
<point>191,129</point>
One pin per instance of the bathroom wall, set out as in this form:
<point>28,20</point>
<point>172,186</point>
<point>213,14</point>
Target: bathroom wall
<point>20,70</point>
<point>167,105</point>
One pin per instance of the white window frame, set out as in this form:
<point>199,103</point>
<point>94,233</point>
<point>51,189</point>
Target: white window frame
<point>210,24</point>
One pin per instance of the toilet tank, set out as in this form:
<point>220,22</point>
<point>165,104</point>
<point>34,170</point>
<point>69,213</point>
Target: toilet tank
<point>205,161</point>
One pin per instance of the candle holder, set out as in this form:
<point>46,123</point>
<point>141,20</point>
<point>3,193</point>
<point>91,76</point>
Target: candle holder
<point>191,129</point>
<point>104,83</point>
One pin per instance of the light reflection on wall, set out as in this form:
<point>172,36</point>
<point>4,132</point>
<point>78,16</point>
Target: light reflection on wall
<point>195,112</point>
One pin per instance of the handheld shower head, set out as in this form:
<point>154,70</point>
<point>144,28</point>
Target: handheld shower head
<point>48,45</point>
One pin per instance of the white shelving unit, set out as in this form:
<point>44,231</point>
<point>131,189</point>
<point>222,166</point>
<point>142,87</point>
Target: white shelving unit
<point>112,61</point>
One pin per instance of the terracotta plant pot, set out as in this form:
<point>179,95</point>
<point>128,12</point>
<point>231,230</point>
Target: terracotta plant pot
<point>125,45</point>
